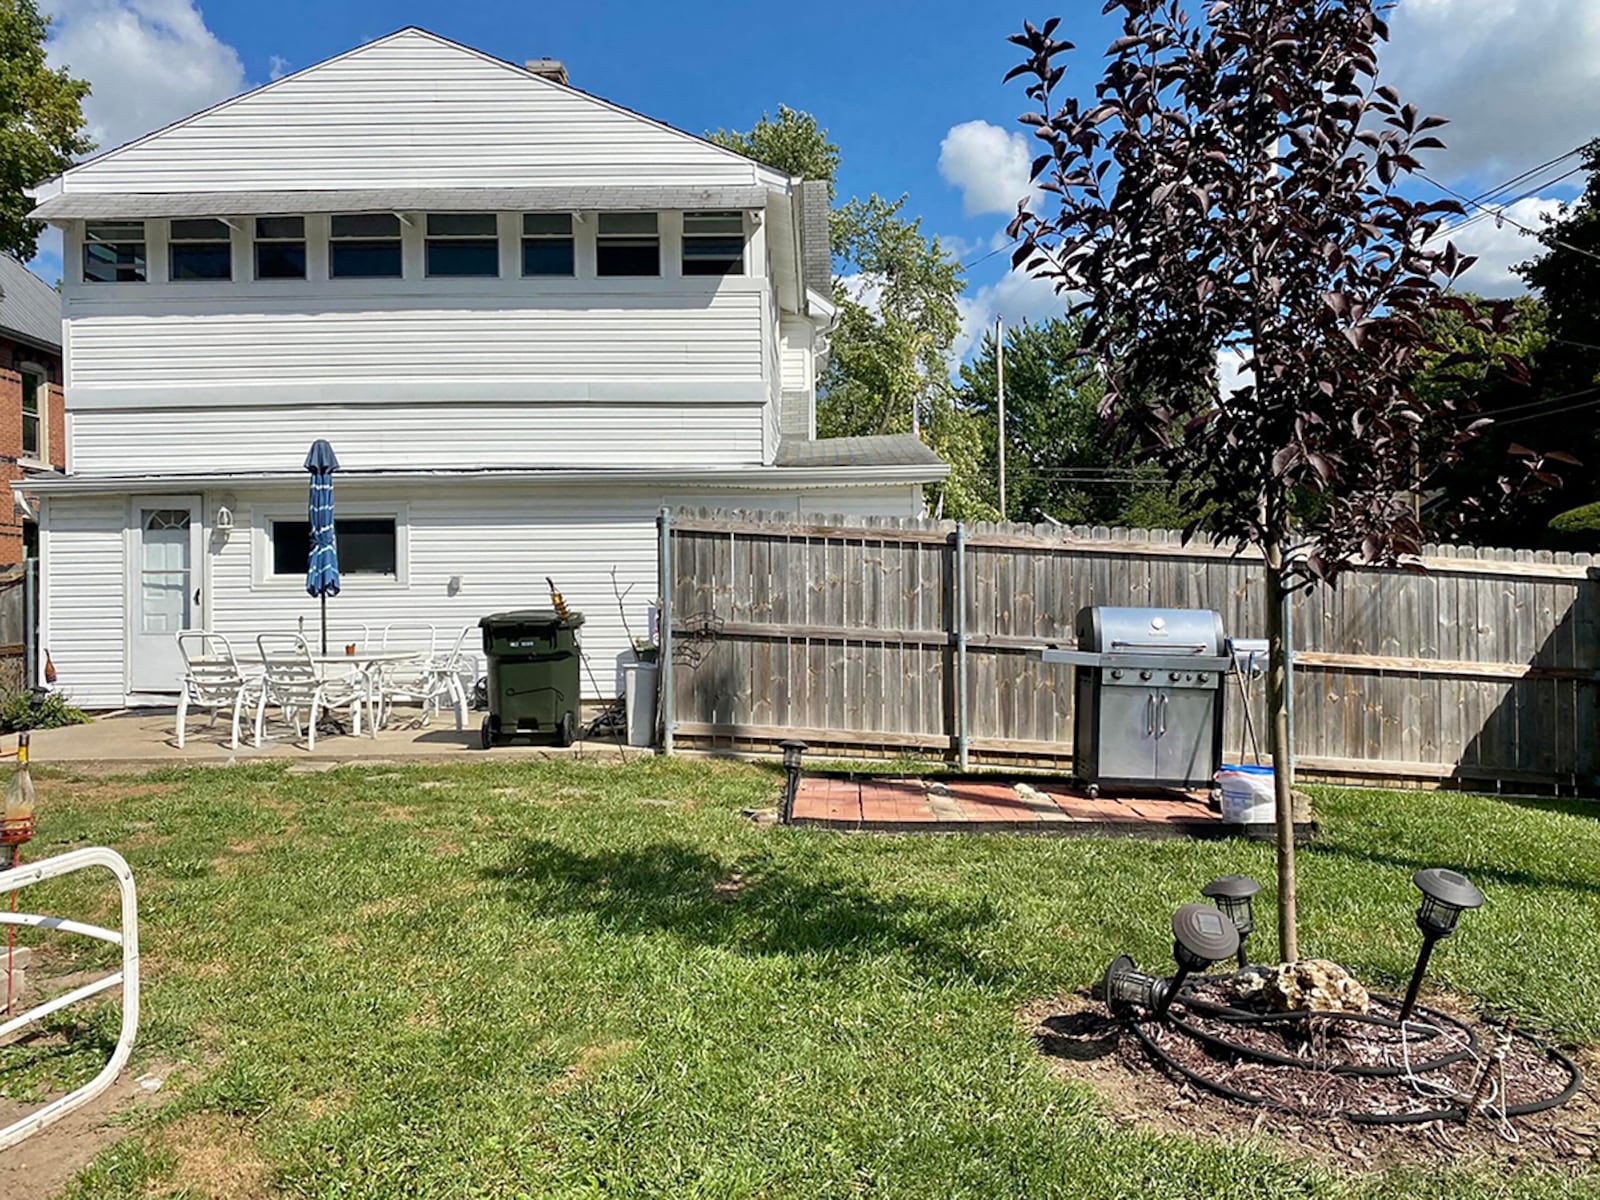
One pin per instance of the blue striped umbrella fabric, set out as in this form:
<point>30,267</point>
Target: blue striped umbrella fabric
<point>322,569</point>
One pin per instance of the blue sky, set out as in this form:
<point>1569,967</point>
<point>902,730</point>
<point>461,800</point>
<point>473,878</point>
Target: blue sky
<point>911,92</point>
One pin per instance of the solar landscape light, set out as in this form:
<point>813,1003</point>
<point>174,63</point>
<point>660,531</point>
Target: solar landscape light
<point>1232,896</point>
<point>1445,894</point>
<point>1124,984</point>
<point>794,751</point>
<point>1201,935</point>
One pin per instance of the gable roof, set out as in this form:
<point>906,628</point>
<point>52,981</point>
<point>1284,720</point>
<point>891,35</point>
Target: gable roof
<point>391,103</point>
<point>30,309</point>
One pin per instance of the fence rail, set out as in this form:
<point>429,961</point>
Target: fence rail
<point>1469,665</point>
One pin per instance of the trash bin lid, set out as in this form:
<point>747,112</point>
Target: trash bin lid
<point>522,617</point>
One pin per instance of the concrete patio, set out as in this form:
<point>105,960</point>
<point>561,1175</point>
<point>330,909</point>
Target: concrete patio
<point>146,737</point>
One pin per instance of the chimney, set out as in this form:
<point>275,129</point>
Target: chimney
<point>549,68</point>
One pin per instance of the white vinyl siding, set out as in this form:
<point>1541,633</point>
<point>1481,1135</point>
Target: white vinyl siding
<point>452,433</point>
<point>85,590</point>
<point>411,111</point>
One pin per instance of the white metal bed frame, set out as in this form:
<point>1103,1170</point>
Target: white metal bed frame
<point>128,976</point>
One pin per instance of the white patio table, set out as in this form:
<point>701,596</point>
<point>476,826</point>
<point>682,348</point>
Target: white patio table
<point>366,663</point>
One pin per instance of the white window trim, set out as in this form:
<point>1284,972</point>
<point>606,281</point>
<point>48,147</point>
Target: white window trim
<point>42,458</point>
<point>262,578</point>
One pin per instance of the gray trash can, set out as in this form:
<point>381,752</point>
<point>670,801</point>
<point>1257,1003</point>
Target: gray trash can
<point>639,684</point>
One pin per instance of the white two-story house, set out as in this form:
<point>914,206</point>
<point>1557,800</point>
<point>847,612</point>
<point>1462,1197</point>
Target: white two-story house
<point>525,317</point>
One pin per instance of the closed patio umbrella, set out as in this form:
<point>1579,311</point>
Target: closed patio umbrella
<point>322,568</point>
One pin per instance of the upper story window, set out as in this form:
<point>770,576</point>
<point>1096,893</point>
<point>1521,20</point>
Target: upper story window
<point>628,244</point>
<point>713,243</point>
<point>35,402</point>
<point>463,245</point>
<point>547,244</point>
<point>280,247</point>
<point>200,248</point>
<point>365,246</point>
<point>113,252</point>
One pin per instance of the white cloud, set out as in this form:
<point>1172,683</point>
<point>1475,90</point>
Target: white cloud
<point>150,62</point>
<point>1516,80</point>
<point>1231,372</point>
<point>989,165</point>
<point>1016,296</point>
<point>278,67</point>
<point>1499,247</point>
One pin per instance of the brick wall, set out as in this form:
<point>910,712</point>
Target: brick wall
<point>12,355</point>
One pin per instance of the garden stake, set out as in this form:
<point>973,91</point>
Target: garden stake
<point>1495,1061</point>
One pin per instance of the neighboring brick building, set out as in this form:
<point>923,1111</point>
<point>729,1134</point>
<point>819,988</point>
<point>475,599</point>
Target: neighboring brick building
<point>33,433</point>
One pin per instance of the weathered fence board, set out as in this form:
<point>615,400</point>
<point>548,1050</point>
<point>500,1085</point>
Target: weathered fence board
<point>1476,665</point>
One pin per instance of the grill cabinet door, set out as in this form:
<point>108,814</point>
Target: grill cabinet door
<point>1127,743</point>
<point>1185,724</point>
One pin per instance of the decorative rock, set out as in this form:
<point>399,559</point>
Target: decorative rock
<point>1312,984</point>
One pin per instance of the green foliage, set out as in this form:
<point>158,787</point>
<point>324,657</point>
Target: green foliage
<point>794,143</point>
<point>571,980</point>
<point>41,119</point>
<point>1576,529</point>
<point>38,710</point>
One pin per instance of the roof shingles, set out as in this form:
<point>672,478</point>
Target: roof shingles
<point>29,307</point>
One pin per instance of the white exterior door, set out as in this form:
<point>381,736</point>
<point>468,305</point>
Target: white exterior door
<point>163,589</point>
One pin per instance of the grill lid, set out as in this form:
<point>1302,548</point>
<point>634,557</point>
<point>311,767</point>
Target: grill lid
<point>1160,631</point>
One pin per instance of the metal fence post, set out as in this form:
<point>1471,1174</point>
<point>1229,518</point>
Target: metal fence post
<point>958,617</point>
<point>664,616</point>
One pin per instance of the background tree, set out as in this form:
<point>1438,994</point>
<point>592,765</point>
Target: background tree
<point>896,290</point>
<point>793,143</point>
<point>41,122</point>
<point>1232,184</point>
<point>1566,371</point>
<point>1062,460</point>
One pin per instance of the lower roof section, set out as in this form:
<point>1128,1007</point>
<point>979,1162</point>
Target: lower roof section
<point>881,450</point>
<point>754,478</point>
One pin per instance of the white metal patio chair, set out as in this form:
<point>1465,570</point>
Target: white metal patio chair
<point>406,682</point>
<point>445,684</point>
<point>294,684</point>
<point>213,679</point>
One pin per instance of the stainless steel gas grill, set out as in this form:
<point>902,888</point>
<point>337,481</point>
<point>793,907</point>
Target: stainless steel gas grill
<point>1147,696</point>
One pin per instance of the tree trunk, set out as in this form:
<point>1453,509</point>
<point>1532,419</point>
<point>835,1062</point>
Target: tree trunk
<point>1278,741</point>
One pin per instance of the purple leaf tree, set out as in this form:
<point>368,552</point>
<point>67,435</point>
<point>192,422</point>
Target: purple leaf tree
<point>1233,186</point>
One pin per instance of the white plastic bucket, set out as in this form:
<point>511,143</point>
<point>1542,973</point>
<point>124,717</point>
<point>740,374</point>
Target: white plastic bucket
<point>1247,795</point>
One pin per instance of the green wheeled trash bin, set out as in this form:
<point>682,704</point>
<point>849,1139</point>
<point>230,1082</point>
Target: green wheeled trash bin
<point>533,675</point>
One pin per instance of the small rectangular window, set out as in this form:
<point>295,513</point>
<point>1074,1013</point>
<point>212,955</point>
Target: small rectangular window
<point>113,252</point>
<point>628,244</point>
<point>280,247</point>
<point>365,246</point>
<point>200,248</point>
<point>713,243</point>
<point>367,546</point>
<point>547,244</point>
<point>34,402</point>
<point>463,245</point>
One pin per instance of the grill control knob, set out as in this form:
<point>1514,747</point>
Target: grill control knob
<point>1200,678</point>
<point>1116,673</point>
<point>1144,674</point>
<point>1174,676</point>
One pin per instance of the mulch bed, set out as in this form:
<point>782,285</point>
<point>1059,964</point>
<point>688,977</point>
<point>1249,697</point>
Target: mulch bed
<point>1083,1043</point>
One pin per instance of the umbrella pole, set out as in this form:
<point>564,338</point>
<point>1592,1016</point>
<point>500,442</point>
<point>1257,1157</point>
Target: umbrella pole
<point>324,622</point>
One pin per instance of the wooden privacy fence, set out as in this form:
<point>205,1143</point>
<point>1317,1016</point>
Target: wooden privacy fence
<point>854,634</point>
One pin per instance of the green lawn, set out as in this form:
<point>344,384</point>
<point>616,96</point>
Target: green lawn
<point>567,980</point>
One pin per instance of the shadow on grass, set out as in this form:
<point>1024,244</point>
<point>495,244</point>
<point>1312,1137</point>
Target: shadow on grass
<point>750,906</point>
<point>1481,875</point>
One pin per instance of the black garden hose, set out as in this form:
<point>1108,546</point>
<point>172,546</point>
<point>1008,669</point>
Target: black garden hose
<point>1238,1095</point>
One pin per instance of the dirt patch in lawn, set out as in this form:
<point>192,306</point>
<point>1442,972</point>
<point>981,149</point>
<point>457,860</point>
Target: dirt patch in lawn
<point>215,1157</point>
<point>1080,1042</point>
<point>40,1167</point>
<point>591,1059</point>
<point>98,791</point>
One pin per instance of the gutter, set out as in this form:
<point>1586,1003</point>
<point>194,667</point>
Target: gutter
<point>754,478</point>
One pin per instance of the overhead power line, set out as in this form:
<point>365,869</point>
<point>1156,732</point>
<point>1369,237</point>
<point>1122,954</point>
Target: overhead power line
<point>1500,214</point>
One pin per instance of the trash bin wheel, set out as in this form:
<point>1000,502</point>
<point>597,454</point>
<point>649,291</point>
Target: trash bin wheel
<point>566,732</point>
<point>486,733</point>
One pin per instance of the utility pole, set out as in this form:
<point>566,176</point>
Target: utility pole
<point>1000,402</point>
